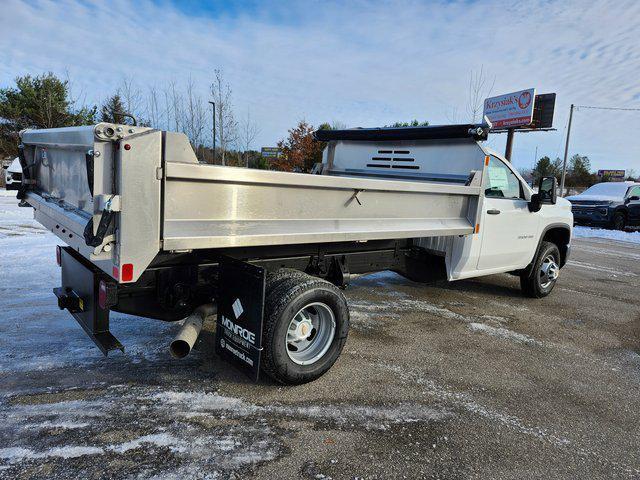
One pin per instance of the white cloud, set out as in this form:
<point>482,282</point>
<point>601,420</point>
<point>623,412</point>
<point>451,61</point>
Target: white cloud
<point>364,64</point>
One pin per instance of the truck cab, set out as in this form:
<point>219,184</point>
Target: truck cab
<point>512,229</point>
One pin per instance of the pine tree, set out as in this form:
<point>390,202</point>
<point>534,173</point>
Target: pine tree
<point>42,101</point>
<point>112,110</point>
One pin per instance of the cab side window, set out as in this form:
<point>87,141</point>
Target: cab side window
<point>502,182</point>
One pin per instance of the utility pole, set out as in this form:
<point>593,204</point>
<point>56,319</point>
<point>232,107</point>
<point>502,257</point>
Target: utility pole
<point>566,152</point>
<point>509,146</point>
<point>213,106</point>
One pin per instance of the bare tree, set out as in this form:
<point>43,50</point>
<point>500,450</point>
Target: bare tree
<point>452,115</point>
<point>226,126</point>
<point>194,118</point>
<point>153,108</point>
<point>132,99</point>
<point>174,106</point>
<point>479,89</point>
<point>248,132</point>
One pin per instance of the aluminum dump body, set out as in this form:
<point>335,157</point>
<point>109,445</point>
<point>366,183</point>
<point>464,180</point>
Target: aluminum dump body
<point>210,207</point>
<point>153,195</point>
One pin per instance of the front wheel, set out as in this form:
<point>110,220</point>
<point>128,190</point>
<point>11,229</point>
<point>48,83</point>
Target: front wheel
<point>619,221</point>
<point>306,322</point>
<point>539,280</point>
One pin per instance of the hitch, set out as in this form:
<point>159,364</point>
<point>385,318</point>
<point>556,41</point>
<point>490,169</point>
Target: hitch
<point>69,299</point>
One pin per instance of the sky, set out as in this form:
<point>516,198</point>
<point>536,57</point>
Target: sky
<point>358,63</point>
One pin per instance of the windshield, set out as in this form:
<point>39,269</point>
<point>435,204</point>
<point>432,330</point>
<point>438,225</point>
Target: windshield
<point>607,189</point>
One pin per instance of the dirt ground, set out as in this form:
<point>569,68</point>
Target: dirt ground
<point>461,380</point>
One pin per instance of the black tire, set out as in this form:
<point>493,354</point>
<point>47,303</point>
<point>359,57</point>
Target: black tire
<point>281,275</point>
<point>286,298</point>
<point>531,280</point>
<point>619,221</point>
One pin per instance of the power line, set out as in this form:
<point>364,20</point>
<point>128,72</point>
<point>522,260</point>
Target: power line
<point>561,138</point>
<point>608,108</point>
<point>566,145</point>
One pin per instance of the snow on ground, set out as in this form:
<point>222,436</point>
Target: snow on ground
<point>589,232</point>
<point>31,321</point>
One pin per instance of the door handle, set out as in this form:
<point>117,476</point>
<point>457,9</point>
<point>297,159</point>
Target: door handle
<point>493,211</point>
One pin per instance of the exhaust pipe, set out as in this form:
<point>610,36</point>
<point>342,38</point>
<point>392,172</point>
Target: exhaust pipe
<point>188,334</point>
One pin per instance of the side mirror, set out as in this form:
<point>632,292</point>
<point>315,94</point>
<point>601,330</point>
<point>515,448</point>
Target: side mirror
<point>633,198</point>
<point>548,190</point>
<point>535,204</point>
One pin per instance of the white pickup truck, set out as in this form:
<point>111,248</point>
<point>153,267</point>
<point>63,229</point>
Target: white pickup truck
<point>152,232</point>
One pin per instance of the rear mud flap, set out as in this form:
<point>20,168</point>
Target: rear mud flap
<point>240,314</point>
<point>79,294</point>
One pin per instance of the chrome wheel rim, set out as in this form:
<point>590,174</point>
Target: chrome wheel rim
<point>310,333</point>
<point>549,271</point>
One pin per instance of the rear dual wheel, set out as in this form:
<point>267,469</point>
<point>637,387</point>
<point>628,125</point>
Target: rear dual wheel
<point>306,322</point>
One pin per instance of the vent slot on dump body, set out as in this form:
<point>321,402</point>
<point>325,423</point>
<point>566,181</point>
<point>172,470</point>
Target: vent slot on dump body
<point>393,161</point>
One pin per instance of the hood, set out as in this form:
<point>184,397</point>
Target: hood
<point>593,198</point>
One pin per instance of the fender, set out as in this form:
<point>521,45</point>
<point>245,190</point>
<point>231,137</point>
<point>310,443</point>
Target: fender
<point>552,226</point>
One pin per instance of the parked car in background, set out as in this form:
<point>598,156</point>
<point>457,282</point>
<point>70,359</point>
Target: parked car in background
<point>611,205</point>
<point>12,174</point>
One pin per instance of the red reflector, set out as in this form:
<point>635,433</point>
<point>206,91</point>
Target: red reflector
<point>102,295</point>
<point>115,273</point>
<point>127,272</point>
<point>127,146</point>
<point>58,255</point>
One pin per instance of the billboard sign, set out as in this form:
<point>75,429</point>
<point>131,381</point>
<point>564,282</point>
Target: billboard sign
<point>510,110</point>
<point>615,175</point>
<point>270,152</point>
<point>543,111</point>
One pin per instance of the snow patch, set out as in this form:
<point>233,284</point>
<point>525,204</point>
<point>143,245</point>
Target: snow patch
<point>371,417</point>
<point>599,268</point>
<point>19,454</point>
<point>503,333</point>
<point>588,232</point>
<point>56,424</point>
<point>205,402</point>
<point>406,304</point>
<point>156,440</point>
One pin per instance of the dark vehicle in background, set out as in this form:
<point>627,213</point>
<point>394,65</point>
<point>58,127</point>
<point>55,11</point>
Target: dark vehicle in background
<point>611,205</point>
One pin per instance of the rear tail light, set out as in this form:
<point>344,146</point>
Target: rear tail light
<point>102,295</point>
<point>127,272</point>
<point>107,294</point>
<point>59,255</point>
